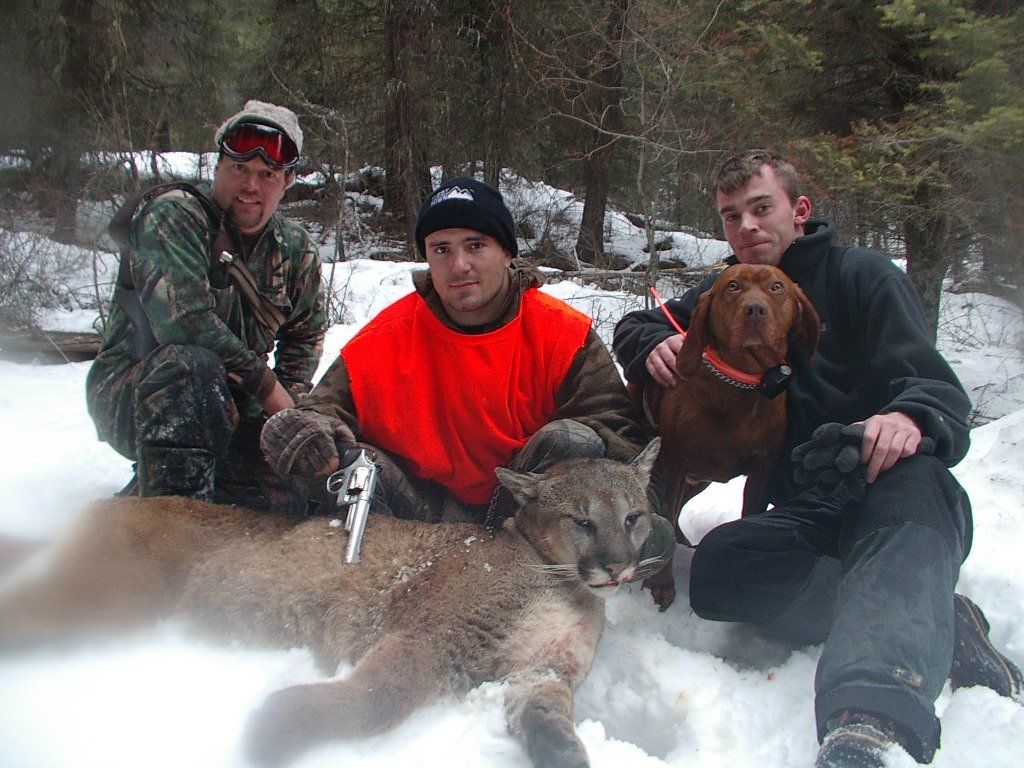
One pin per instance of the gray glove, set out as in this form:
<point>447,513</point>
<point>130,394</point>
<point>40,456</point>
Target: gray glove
<point>298,443</point>
<point>832,453</point>
<point>831,458</point>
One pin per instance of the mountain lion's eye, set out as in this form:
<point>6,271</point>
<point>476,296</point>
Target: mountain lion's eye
<point>583,523</point>
<point>631,520</point>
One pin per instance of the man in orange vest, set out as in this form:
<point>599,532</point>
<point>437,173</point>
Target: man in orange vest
<point>474,370</point>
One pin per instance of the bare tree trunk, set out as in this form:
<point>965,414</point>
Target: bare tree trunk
<point>597,174</point>
<point>1002,257</point>
<point>654,260</point>
<point>498,124</point>
<point>407,180</point>
<point>590,244</point>
<point>926,231</point>
<point>62,173</point>
<point>960,242</point>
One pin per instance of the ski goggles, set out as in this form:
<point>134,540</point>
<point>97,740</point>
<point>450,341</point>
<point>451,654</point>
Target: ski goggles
<point>248,140</point>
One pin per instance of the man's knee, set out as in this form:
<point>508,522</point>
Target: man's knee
<point>555,442</point>
<point>183,400</point>
<point>749,569</point>
<point>657,549</point>
<point>919,489</point>
<point>710,582</point>
<point>181,365</point>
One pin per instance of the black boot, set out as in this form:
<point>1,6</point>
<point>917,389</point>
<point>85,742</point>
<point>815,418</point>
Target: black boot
<point>175,472</point>
<point>975,659</point>
<point>856,740</point>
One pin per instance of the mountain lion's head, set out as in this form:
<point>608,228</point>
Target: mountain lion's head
<point>587,517</point>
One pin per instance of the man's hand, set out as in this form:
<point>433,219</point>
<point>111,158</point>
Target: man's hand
<point>329,468</point>
<point>888,437</point>
<point>299,444</point>
<point>661,363</point>
<point>277,400</point>
<point>840,456</point>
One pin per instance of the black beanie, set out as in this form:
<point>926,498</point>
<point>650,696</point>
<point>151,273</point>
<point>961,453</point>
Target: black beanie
<point>466,203</point>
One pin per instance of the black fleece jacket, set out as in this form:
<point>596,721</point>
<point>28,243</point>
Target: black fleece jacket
<point>875,354</point>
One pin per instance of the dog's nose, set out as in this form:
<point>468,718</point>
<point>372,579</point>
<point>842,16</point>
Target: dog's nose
<point>755,310</point>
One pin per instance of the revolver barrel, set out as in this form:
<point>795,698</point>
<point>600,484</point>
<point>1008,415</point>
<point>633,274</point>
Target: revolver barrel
<point>354,485</point>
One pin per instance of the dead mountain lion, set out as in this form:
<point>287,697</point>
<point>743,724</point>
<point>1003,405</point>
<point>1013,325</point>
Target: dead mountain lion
<point>429,610</point>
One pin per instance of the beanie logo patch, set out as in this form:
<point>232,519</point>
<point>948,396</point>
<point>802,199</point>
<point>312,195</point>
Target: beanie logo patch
<point>452,193</point>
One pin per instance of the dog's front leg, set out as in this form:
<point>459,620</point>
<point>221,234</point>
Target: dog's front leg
<point>756,488</point>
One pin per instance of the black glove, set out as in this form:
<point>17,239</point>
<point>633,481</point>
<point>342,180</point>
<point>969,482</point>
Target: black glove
<point>298,443</point>
<point>831,458</point>
<point>832,453</point>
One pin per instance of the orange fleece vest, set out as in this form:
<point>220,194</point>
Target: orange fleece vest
<point>453,406</point>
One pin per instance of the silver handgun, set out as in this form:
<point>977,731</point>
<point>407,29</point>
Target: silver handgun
<point>353,484</point>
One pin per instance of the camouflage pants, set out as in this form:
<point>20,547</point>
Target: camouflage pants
<point>188,432</point>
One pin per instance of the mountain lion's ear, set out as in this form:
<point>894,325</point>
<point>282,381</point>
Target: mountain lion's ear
<point>525,486</point>
<point>644,461</point>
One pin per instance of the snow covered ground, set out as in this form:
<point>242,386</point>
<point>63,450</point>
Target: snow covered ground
<point>665,690</point>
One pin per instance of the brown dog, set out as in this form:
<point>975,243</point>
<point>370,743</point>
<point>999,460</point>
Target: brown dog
<point>717,423</point>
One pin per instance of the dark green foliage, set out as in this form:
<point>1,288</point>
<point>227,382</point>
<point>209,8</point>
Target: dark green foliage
<point>906,115</point>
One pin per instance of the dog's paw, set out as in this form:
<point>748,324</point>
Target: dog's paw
<point>663,587</point>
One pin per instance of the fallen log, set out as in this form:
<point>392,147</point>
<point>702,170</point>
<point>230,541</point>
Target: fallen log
<point>48,347</point>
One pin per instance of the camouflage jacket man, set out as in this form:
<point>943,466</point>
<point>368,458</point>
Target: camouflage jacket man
<point>186,304</point>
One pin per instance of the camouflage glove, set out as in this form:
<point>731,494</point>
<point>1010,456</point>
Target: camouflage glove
<point>831,458</point>
<point>298,443</point>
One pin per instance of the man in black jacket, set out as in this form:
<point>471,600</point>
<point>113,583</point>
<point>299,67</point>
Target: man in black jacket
<point>868,565</point>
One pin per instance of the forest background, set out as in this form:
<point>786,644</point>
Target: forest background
<point>907,116</point>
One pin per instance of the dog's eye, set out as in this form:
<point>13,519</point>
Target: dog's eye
<point>776,286</point>
<point>732,285</point>
<point>632,519</point>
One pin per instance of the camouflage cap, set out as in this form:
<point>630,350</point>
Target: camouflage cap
<point>264,113</point>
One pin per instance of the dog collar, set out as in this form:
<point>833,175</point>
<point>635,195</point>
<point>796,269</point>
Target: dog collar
<point>771,383</point>
<point>727,373</point>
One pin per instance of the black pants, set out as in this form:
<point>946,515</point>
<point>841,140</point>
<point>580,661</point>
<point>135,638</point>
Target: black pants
<point>872,579</point>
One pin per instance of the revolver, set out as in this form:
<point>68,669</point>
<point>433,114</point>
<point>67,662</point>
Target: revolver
<point>353,485</point>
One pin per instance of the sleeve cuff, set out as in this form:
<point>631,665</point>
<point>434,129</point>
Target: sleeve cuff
<point>260,382</point>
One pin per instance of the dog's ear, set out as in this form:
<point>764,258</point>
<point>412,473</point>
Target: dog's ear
<point>696,339</point>
<point>806,325</point>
